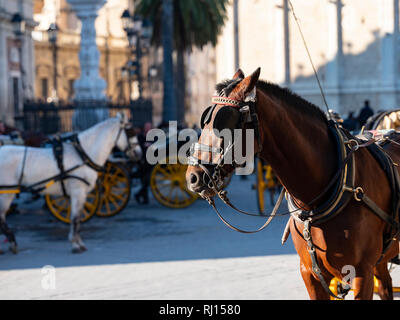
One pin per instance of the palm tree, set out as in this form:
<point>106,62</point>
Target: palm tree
<point>196,23</point>
<point>170,110</point>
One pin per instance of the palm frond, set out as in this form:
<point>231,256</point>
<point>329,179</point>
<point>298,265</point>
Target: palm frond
<point>196,22</point>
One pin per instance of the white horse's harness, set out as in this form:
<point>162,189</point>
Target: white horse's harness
<point>57,146</point>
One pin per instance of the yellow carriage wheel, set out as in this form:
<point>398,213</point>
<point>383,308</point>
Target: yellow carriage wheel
<point>335,283</point>
<point>265,180</point>
<point>260,186</point>
<point>60,206</point>
<point>168,185</point>
<point>116,189</point>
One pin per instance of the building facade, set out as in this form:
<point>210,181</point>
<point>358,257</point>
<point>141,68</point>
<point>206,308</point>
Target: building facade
<point>16,58</point>
<point>353,44</point>
<point>110,40</point>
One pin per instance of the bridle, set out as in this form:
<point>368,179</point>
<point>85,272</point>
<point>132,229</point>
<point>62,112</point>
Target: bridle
<point>214,181</point>
<point>213,178</point>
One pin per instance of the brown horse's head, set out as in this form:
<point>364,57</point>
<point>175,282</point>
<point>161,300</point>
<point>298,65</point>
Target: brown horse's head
<point>208,161</point>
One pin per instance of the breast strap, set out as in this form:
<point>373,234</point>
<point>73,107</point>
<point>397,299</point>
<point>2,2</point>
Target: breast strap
<point>84,156</point>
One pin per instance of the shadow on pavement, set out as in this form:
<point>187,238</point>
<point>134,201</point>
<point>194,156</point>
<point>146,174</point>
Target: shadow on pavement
<point>146,234</point>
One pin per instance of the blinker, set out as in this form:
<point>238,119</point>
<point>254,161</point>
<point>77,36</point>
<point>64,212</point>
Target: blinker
<point>206,116</point>
<point>226,118</point>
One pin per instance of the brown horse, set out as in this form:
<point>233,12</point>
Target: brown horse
<point>297,144</point>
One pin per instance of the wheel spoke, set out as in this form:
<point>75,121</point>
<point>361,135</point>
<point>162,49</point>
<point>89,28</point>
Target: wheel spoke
<point>108,209</point>
<point>120,197</point>
<point>112,199</point>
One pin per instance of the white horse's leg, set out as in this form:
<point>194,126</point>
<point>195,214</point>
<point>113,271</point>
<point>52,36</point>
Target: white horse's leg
<point>77,201</point>
<point>5,203</point>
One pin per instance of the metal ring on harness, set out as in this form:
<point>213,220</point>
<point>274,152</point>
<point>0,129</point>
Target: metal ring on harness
<point>358,194</point>
<point>353,143</point>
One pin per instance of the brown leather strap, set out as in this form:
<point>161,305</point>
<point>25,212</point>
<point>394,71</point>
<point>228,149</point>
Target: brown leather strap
<point>271,216</point>
<point>378,211</point>
<point>315,267</point>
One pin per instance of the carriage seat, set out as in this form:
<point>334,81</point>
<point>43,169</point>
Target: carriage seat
<point>380,136</point>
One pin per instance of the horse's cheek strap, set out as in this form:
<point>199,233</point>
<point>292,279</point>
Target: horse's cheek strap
<point>254,117</point>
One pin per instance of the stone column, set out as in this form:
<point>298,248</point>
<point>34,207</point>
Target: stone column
<point>4,95</point>
<point>282,48</point>
<point>90,87</point>
<point>334,55</point>
<point>389,47</point>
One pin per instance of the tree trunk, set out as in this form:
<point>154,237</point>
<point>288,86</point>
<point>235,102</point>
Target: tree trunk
<point>169,100</point>
<point>181,85</point>
<point>236,33</point>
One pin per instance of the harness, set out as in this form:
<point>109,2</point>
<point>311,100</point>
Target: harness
<point>340,190</point>
<point>58,150</point>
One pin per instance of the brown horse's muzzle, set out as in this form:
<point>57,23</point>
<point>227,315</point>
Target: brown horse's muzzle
<point>199,182</point>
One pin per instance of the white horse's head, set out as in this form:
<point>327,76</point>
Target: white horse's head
<point>134,151</point>
<point>122,142</point>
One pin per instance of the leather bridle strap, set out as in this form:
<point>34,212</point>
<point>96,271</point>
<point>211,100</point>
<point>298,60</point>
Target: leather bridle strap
<point>227,102</point>
<point>250,103</point>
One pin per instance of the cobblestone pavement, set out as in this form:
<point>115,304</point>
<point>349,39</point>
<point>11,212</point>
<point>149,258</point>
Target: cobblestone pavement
<point>152,252</point>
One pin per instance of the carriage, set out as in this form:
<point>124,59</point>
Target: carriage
<point>112,191</point>
<point>266,182</point>
<point>83,174</point>
<point>384,120</point>
<point>113,188</point>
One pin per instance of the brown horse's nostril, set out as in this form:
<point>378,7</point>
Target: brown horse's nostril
<point>193,179</point>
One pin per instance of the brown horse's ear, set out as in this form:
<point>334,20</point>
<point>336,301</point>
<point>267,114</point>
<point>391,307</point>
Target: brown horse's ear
<point>248,83</point>
<point>239,74</point>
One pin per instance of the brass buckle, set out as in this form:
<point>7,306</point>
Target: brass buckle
<point>358,194</point>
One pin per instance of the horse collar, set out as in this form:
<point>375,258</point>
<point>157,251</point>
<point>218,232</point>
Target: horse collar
<point>338,198</point>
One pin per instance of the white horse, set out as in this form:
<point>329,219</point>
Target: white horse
<point>27,166</point>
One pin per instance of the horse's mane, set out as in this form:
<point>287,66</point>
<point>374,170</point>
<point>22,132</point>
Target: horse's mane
<point>290,98</point>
